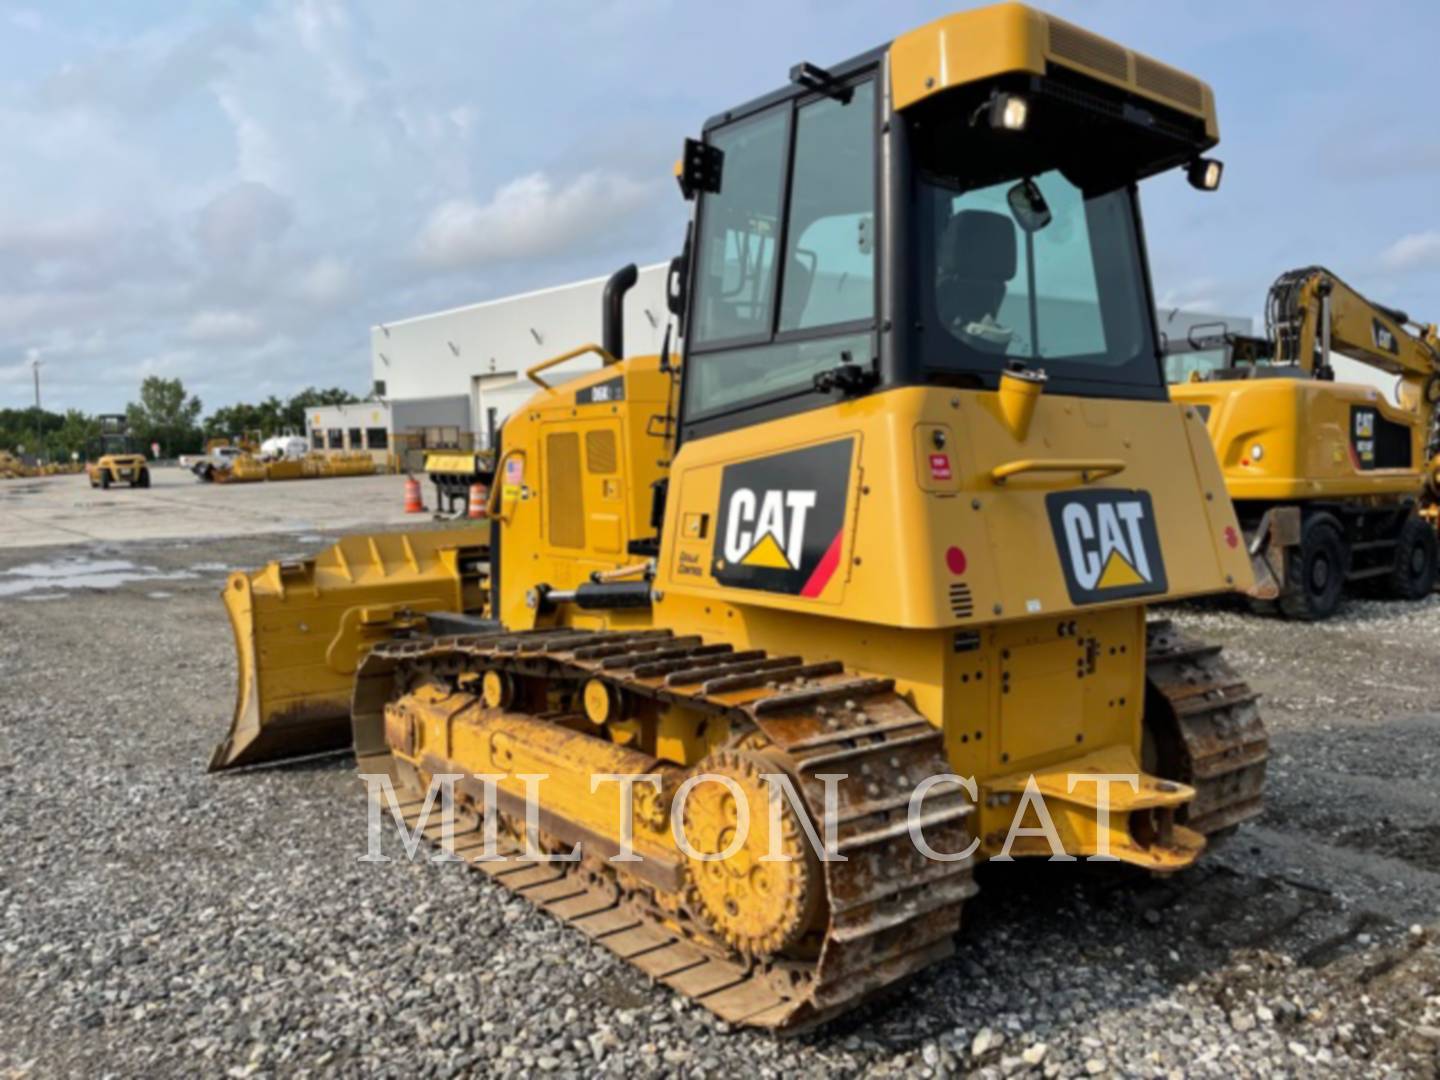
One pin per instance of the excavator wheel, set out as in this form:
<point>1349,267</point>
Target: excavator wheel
<point>1413,577</point>
<point>1315,578</point>
<point>105,479</point>
<point>143,480</point>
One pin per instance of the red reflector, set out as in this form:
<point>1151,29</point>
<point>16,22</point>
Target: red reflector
<point>955,560</point>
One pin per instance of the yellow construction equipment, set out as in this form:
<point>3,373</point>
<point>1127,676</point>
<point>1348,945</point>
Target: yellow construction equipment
<point>454,473</point>
<point>1333,484</point>
<point>115,459</point>
<point>302,628</point>
<point>897,513</point>
<point>13,468</point>
<point>248,468</point>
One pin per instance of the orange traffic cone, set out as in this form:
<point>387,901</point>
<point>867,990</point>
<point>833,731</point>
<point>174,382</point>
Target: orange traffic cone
<point>478,498</point>
<point>413,503</point>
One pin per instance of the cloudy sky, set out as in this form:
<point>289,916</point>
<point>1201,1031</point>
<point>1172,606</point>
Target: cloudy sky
<point>233,193</point>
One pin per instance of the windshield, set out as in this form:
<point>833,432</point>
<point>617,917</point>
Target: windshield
<point>1034,269</point>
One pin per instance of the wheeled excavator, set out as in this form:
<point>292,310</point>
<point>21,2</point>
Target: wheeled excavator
<point>894,510</point>
<point>1333,483</point>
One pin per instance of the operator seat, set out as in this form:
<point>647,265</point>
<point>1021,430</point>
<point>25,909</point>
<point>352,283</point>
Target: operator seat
<point>977,260</point>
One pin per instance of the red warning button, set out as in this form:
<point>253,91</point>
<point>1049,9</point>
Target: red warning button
<point>939,466</point>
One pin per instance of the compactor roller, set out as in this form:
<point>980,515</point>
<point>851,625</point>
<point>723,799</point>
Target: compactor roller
<point>771,641</point>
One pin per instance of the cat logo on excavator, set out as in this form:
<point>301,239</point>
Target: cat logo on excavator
<point>1108,544</point>
<point>782,520</point>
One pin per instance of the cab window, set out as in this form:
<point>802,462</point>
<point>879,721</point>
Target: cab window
<point>742,232</point>
<point>746,347</point>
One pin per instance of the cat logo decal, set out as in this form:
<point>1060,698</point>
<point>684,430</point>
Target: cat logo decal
<point>782,520</point>
<point>1108,544</point>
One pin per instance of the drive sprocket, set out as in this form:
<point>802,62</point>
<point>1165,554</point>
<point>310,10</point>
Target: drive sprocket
<point>763,897</point>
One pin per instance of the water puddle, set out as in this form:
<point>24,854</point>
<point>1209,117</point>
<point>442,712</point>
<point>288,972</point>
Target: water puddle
<point>80,573</point>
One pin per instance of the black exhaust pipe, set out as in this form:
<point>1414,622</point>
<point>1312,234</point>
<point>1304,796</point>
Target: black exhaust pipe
<point>612,331</point>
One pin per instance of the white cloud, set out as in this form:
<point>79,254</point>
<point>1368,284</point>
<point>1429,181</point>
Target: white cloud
<point>326,281</point>
<point>463,117</point>
<point>22,312</point>
<point>256,150</point>
<point>323,27</point>
<point>59,237</point>
<point>1418,251</point>
<point>218,327</point>
<point>528,218</point>
<point>240,219</point>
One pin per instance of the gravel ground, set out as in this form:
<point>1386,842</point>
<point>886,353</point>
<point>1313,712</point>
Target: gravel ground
<point>160,921</point>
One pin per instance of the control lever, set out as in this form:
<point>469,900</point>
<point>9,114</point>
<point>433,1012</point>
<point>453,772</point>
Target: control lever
<point>848,377</point>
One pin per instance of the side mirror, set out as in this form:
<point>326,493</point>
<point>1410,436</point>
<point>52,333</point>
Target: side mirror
<point>1029,206</point>
<point>675,285</point>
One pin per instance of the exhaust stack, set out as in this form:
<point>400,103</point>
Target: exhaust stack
<point>612,333</point>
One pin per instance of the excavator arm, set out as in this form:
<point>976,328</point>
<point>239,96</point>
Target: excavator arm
<point>1311,313</point>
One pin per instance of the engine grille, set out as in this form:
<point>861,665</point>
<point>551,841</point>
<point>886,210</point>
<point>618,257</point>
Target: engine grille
<point>600,454</point>
<point>1076,45</point>
<point>1166,82</point>
<point>565,499</point>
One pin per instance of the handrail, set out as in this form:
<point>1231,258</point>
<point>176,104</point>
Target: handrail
<point>1088,468</point>
<point>533,373</point>
<point>497,487</point>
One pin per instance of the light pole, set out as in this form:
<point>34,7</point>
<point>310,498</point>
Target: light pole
<point>39,438</point>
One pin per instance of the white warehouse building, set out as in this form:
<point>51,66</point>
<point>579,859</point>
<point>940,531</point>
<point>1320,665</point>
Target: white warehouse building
<point>466,367</point>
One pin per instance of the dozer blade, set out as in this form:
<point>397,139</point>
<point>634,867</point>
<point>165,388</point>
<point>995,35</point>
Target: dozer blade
<point>302,628</point>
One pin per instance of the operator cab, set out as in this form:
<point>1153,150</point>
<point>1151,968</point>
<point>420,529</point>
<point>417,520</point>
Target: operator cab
<point>844,245</point>
<point>1210,352</point>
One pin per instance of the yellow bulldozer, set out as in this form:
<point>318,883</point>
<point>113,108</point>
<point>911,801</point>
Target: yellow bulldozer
<point>1333,483</point>
<point>801,623</point>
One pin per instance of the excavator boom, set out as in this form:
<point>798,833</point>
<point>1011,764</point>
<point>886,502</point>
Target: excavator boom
<point>1311,312</point>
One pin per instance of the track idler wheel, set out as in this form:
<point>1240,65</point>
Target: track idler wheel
<point>757,905</point>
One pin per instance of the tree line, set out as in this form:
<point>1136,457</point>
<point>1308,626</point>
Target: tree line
<point>165,414</point>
